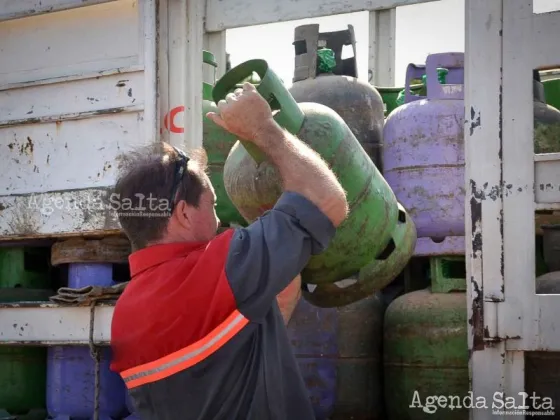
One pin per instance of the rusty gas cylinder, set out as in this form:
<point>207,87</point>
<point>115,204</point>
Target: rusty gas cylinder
<point>335,84</point>
<point>425,349</point>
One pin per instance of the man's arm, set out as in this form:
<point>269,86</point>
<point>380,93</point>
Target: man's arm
<point>303,171</point>
<point>265,257</point>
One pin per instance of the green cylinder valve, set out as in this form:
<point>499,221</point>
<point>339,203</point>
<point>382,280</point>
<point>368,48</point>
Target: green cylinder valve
<point>326,61</point>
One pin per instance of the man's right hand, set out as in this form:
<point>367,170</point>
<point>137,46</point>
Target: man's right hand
<point>247,115</point>
<point>244,113</point>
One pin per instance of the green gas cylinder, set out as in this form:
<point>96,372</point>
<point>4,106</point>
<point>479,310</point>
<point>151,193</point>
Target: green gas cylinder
<point>254,185</point>
<point>371,277</point>
<point>425,348</point>
<point>546,120</point>
<point>552,92</point>
<point>217,143</point>
<point>24,276</point>
<point>391,96</point>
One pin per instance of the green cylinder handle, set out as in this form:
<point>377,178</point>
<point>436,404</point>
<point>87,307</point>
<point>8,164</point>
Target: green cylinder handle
<point>272,89</point>
<point>209,58</point>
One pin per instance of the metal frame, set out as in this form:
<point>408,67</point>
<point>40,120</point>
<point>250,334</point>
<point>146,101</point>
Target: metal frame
<point>505,184</point>
<point>503,177</point>
<point>229,14</point>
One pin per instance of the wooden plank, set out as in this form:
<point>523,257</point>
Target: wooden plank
<point>15,9</point>
<point>547,181</point>
<point>66,155</point>
<point>41,47</point>
<point>49,324</point>
<point>518,168</point>
<point>72,78</point>
<point>184,83</point>
<point>483,144</point>
<point>228,14</point>
<point>483,201</point>
<point>149,35</point>
<point>382,47</point>
<point>546,48</point>
<point>82,97</point>
<point>215,42</point>
<point>57,214</point>
<point>543,319</point>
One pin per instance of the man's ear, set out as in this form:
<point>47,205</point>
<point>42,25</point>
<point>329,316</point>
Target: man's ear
<point>182,214</point>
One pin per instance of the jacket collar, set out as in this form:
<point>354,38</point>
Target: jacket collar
<point>155,255</point>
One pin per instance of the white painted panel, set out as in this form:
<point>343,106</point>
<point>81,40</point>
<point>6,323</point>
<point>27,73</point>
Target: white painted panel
<point>52,324</point>
<point>57,99</point>
<point>14,9</point>
<point>227,14</point>
<point>70,42</point>
<point>382,41</point>
<point>215,42</point>
<point>546,32</point>
<point>183,71</point>
<point>545,6</point>
<point>58,214</point>
<point>547,180</point>
<point>66,155</point>
<point>542,335</point>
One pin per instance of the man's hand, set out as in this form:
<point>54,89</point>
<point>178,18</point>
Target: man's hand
<point>244,113</point>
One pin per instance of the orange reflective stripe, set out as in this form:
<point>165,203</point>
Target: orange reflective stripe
<point>187,357</point>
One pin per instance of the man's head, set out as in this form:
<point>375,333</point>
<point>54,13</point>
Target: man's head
<point>159,180</point>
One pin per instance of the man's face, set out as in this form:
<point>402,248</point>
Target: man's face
<point>204,220</point>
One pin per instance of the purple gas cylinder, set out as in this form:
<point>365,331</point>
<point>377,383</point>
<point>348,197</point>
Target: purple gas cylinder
<point>339,355</point>
<point>424,160</point>
<point>130,408</point>
<point>71,369</point>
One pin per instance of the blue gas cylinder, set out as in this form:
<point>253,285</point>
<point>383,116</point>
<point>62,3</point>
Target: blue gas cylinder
<point>71,369</point>
<point>131,410</point>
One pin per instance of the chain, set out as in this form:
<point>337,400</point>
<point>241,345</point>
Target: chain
<point>96,355</point>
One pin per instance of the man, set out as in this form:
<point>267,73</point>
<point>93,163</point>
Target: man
<point>198,334</point>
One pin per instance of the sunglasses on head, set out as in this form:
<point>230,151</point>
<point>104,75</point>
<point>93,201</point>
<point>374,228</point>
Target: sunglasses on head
<point>180,169</point>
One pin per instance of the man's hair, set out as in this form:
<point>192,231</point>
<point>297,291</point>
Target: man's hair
<point>144,187</point>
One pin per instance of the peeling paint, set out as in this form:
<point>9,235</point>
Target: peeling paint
<point>477,319</point>
<point>476,219</point>
<point>475,120</point>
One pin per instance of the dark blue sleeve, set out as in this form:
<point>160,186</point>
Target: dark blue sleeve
<point>267,255</point>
